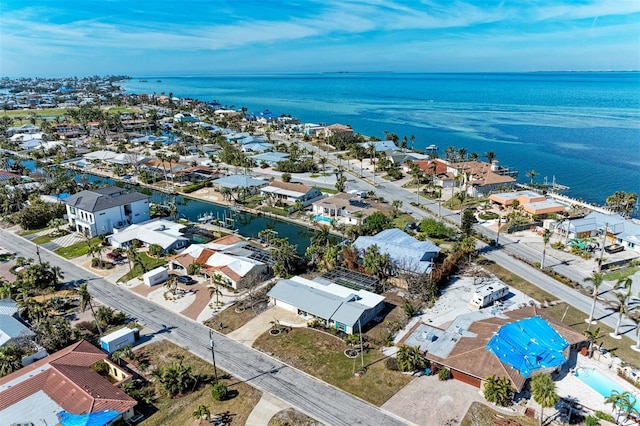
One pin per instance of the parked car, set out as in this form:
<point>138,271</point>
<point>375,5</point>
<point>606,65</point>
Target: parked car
<point>115,256</point>
<point>184,279</point>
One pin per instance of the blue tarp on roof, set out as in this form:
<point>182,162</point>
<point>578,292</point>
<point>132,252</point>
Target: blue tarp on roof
<point>528,345</point>
<point>98,418</point>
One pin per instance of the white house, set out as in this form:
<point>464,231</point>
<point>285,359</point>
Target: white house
<point>98,211</point>
<point>237,262</point>
<point>349,209</point>
<point>334,305</point>
<point>290,193</point>
<point>165,233</point>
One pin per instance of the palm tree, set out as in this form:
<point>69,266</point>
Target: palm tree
<point>543,390</point>
<point>622,402</point>
<point>10,359</point>
<point>409,358</point>
<point>202,411</point>
<point>498,390</point>
<point>546,236</point>
<point>592,336</point>
<point>531,174</point>
<point>85,300</point>
<point>597,279</point>
<point>490,156</point>
<point>214,289</point>
<point>621,302</point>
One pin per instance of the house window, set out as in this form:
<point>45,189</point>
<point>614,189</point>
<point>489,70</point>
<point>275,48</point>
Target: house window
<point>72,210</point>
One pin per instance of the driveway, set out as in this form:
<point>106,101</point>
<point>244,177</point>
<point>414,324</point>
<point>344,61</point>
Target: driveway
<point>429,401</point>
<point>248,333</point>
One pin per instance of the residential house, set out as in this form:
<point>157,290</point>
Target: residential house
<point>310,129</point>
<point>335,129</point>
<point>531,202</point>
<point>12,329</point>
<point>512,344</point>
<point>481,179</point>
<point>165,233</point>
<point>98,211</point>
<point>348,209</point>
<point>185,117</point>
<point>408,255</point>
<point>237,262</point>
<point>380,146</point>
<point>257,147</point>
<point>271,159</point>
<point>240,181</point>
<point>290,193</point>
<point>335,306</point>
<point>435,168</point>
<point>63,389</point>
<point>614,228</point>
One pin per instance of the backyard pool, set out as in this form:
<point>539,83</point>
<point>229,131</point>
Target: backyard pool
<point>320,218</point>
<point>598,382</point>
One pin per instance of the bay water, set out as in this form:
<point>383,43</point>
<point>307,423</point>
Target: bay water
<point>583,128</point>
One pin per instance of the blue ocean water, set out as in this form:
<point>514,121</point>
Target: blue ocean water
<point>582,128</point>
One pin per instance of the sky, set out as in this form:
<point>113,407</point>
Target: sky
<point>59,38</point>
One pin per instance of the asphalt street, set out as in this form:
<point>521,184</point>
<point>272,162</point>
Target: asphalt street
<point>508,255</point>
<point>309,395</point>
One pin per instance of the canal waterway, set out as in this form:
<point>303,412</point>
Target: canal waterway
<point>247,225</point>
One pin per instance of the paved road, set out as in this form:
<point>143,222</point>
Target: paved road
<point>509,253</point>
<point>318,399</point>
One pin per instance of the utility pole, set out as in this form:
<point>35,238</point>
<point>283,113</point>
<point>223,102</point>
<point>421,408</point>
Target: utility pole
<point>213,357</point>
<point>604,242</point>
<point>361,348</point>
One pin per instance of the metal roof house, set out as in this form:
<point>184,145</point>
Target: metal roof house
<point>98,211</point>
<point>11,328</point>
<point>407,253</point>
<point>334,305</point>
<point>239,181</point>
<point>165,233</point>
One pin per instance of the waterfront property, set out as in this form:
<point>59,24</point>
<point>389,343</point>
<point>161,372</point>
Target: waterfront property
<point>236,262</point>
<point>480,179</point>
<point>290,193</point>
<point>335,306</point>
<point>514,344</point>
<point>614,228</point>
<point>99,211</point>
<point>63,389</point>
<point>531,202</point>
<point>236,182</point>
<point>345,208</point>
<point>408,255</point>
<point>165,233</point>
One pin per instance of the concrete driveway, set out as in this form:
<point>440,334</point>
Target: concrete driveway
<point>248,333</point>
<point>428,401</point>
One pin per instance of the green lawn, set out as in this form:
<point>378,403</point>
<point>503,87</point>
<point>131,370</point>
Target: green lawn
<point>149,263</point>
<point>76,250</point>
<point>329,190</point>
<point>620,273</point>
<point>48,112</point>
<point>32,231</point>
<point>322,356</point>
<point>42,239</point>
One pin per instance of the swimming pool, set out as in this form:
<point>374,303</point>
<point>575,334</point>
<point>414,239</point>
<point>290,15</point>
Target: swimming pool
<point>320,218</point>
<point>599,383</point>
<point>81,163</point>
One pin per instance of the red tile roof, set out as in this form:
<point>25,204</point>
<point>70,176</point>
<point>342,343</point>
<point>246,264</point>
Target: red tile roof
<point>67,378</point>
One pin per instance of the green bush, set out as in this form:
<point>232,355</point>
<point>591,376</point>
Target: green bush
<point>444,374</point>
<point>488,215</point>
<point>193,187</point>
<point>604,416</point>
<point>219,391</point>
